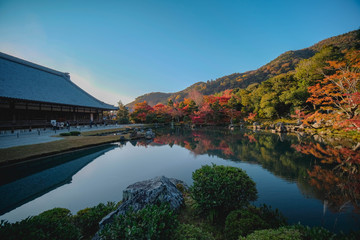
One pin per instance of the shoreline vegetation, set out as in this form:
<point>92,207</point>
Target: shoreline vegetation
<point>219,216</point>
<point>319,95</point>
<point>80,141</point>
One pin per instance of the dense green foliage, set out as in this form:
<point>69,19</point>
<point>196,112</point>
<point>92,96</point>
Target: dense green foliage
<point>57,223</point>
<point>87,220</point>
<point>51,224</point>
<point>271,234</point>
<point>122,114</point>
<point>218,190</point>
<point>282,94</point>
<point>151,222</point>
<point>245,221</point>
<point>319,233</point>
<point>191,232</point>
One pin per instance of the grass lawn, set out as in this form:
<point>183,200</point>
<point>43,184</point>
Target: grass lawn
<point>19,153</point>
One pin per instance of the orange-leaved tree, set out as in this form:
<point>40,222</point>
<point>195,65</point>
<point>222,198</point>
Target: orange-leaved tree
<point>340,89</point>
<point>141,110</point>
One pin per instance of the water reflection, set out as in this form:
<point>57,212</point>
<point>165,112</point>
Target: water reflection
<point>312,183</point>
<point>323,172</point>
<point>337,179</point>
<point>23,183</point>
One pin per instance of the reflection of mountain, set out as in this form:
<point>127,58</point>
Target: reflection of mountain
<point>312,169</point>
<point>35,181</point>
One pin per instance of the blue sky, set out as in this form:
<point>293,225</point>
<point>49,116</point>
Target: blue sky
<point>118,50</point>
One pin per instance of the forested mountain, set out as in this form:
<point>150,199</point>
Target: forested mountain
<point>285,63</point>
<point>151,98</point>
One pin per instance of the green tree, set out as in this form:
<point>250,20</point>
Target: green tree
<point>170,103</point>
<point>308,71</point>
<point>218,190</point>
<point>122,113</point>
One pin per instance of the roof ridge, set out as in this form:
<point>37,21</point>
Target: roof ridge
<point>71,82</point>
<point>64,75</point>
<point>30,64</point>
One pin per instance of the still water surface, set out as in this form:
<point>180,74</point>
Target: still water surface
<point>289,175</point>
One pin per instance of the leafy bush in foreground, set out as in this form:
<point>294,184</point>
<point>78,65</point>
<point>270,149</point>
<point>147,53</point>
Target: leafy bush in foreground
<point>52,224</point>
<point>88,219</point>
<point>152,222</point>
<point>241,223</point>
<point>221,189</point>
<point>320,233</point>
<point>245,221</point>
<point>270,234</point>
<point>188,231</point>
<point>57,223</point>
<point>317,233</point>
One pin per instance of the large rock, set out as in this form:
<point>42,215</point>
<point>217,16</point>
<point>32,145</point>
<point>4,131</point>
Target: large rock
<point>153,191</point>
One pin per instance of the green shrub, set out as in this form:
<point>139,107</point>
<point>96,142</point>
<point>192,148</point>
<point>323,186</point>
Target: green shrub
<point>245,221</point>
<point>152,222</point>
<point>221,189</point>
<point>350,236</point>
<point>52,224</point>
<point>75,133</point>
<point>65,134</point>
<point>316,233</point>
<point>271,234</point>
<point>274,218</point>
<point>88,219</point>
<point>191,232</point>
<point>242,222</point>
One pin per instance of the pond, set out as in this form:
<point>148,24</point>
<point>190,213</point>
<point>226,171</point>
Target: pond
<point>307,181</point>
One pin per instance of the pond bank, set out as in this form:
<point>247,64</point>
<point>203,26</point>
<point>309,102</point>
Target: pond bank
<point>19,154</point>
<point>326,135</point>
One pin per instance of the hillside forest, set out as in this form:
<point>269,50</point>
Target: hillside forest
<point>322,91</point>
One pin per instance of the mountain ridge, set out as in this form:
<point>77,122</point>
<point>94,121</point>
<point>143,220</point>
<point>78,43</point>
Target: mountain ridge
<point>284,63</point>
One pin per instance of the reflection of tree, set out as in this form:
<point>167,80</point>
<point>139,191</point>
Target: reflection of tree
<point>264,148</point>
<point>283,156</point>
<point>339,180</point>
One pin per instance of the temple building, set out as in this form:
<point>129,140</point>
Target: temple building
<point>32,96</point>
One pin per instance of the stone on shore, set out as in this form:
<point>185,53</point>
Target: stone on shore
<point>152,191</point>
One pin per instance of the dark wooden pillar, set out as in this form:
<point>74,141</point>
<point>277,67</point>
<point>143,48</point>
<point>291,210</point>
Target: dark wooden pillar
<point>12,114</point>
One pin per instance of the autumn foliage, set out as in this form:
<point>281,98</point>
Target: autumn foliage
<point>210,109</point>
<point>323,90</point>
<point>340,181</point>
<point>338,91</point>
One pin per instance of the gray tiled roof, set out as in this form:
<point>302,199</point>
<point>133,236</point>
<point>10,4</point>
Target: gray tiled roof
<point>21,79</point>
